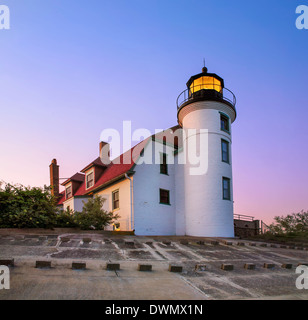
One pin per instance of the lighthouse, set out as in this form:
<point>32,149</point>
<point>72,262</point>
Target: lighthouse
<point>209,108</point>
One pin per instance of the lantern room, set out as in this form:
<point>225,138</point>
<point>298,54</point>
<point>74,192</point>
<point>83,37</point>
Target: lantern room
<point>205,81</point>
<point>206,86</point>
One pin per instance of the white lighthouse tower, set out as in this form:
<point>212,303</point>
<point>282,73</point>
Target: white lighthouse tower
<point>209,108</point>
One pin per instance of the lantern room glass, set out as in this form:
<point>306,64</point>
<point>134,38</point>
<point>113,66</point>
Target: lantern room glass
<point>207,83</point>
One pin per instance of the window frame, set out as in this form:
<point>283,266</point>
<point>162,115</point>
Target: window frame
<point>93,181</point>
<point>160,197</point>
<point>71,192</point>
<point>117,191</point>
<point>229,188</point>
<point>227,118</point>
<point>164,164</point>
<point>228,151</point>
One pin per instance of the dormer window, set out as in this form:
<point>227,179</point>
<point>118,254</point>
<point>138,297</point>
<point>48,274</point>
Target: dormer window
<point>90,180</point>
<point>68,192</point>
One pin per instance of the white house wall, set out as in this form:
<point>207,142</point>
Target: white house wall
<point>78,203</point>
<point>124,202</point>
<point>151,217</point>
<point>74,203</point>
<point>68,203</point>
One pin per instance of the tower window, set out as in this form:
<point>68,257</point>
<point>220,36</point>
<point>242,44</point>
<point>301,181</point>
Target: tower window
<point>164,196</point>
<point>226,191</point>
<point>163,163</point>
<point>115,200</point>
<point>90,180</point>
<point>224,123</point>
<point>225,151</point>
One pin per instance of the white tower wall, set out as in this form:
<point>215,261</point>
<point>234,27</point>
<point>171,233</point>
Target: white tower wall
<point>207,214</point>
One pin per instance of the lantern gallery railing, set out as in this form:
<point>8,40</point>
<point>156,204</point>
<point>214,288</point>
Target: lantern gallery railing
<point>204,91</point>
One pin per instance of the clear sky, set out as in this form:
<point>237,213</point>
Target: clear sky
<point>71,68</point>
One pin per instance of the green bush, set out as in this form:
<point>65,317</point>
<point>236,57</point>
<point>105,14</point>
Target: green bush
<point>93,216</point>
<point>65,219</point>
<point>25,207</point>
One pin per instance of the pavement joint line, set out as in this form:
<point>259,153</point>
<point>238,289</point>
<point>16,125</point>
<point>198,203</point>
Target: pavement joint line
<point>227,280</point>
<point>164,253</point>
<point>153,253</point>
<point>123,252</point>
<point>191,253</point>
<point>194,287</point>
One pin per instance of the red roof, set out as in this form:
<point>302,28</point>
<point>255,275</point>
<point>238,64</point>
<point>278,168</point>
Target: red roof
<point>119,166</point>
<point>79,177</point>
<point>115,169</point>
<point>61,198</point>
<point>96,162</point>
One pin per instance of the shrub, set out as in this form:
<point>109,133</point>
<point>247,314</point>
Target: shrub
<point>93,216</point>
<point>25,207</point>
<point>65,219</point>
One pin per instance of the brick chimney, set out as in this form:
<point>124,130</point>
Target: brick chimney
<point>104,152</point>
<point>54,178</point>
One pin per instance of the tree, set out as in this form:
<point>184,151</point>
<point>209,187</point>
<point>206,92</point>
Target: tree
<point>93,216</point>
<point>292,223</point>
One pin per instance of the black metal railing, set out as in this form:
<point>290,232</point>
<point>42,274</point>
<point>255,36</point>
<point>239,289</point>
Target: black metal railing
<point>264,228</point>
<point>206,90</point>
<point>243,217</point>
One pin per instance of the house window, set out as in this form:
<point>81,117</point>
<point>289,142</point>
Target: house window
<point>164,196</point>
<point>224,123</point>
<point>163,163</point>
<point>115,200</point>
<point>68,192</point>
<point>225,151</point>
<point>90,180</point>
<point>226,192</point>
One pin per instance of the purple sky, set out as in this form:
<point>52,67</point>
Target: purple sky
<point>70,69</point>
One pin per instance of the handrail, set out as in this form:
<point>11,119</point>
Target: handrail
<point>188,94</point>
<point>244,217</point>
<point>264,227</point>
